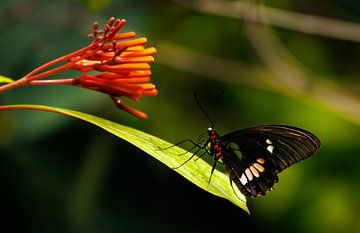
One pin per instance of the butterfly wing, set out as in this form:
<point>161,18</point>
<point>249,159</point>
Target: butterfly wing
<point>254,156</point>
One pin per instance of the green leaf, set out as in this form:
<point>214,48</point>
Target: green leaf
<point>197,172</point>
<point>4,79</point>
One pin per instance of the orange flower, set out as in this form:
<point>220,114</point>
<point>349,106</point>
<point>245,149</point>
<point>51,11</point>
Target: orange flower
<point>118,64</point>
<point>123,64</point>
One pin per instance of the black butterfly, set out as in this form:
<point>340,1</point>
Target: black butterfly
<point>254,156</point>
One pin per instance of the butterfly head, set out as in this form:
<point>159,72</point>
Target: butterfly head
<point>212,133</point>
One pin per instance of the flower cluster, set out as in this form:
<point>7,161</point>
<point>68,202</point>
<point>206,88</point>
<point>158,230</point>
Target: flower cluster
<point>113,63</point>
<point>122,63</point>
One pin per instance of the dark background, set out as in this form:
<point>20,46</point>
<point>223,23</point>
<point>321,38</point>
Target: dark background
<point>62,175</point>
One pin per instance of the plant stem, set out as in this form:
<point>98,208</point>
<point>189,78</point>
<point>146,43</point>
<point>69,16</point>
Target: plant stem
<point>53,62</point>
<point>60,68</point>
<point>68,81</point>
<point>34,74</point>
<point>18,83</point>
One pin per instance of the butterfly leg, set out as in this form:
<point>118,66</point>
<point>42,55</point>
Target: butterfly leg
<point>200,147</point>
<point>181,142</point>
<point>206,151</point>
<point>192,156</point>
<point>213,169</point>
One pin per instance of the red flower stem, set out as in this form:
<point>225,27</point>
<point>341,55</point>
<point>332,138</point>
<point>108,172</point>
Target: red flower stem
<point>31,77</point>
<point>9,86</point>
<point>60,68</point>
<point>68,81</point>
<point>57,60</point>
<point>130,110</point>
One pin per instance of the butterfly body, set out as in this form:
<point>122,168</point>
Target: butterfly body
<point>254,156</point>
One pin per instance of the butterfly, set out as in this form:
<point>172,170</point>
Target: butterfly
<point>254,156</point>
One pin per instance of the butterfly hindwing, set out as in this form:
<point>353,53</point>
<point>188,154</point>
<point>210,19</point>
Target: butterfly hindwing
<point>254,156</point>
<point>252,178</point>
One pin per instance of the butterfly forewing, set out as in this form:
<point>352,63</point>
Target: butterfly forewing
<point>254,156</point>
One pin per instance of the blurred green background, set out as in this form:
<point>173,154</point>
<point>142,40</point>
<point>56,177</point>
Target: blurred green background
<point>62,175</point>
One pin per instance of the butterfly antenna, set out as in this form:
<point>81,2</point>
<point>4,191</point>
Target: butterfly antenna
<point>202,109</point>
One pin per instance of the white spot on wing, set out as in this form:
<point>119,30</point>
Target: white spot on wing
<point>260,160</point>
<point>270,148</point>
<point>243,179</point>
<point>259,167</point>
<point>248,174</point>
<point>268,141</point>
<point>254,171</point>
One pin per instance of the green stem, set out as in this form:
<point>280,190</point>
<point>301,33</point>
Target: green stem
<point>28,107</point>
